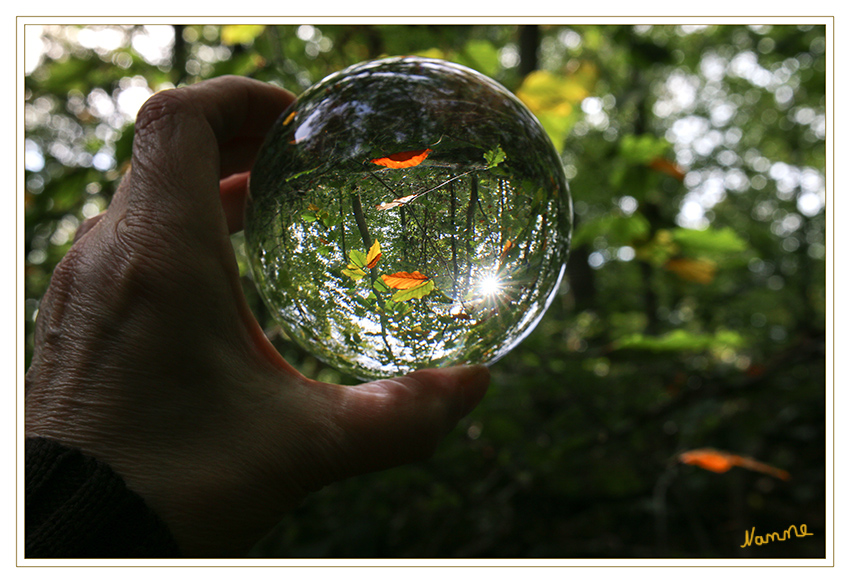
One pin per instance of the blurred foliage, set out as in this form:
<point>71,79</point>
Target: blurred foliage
<point>693,314</point>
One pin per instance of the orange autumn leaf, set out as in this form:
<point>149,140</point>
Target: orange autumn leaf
<point>403,159</point>
<point>721,462</point>
<point>668,167</point>
<point>708,459</point>
<point>374,255</point>
<point>504,254</point>
<point>404,280</point>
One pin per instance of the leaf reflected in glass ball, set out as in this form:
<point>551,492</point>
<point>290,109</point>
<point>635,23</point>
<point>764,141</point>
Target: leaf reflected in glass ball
<point>407,213</point>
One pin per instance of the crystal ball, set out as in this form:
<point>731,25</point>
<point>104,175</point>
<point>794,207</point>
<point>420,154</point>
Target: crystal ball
<point>407,213</point>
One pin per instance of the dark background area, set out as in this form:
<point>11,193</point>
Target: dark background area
<point>693,314</point>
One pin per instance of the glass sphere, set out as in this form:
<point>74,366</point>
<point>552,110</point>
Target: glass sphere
<point>407,213</point>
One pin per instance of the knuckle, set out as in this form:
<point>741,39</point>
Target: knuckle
<point>57,306</point>
<point>160,110</point>
<point>158,125</point>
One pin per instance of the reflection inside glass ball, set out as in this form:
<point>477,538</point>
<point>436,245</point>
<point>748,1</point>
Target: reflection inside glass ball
<point>407,213</point>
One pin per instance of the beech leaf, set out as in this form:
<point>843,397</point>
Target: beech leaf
<point>354,273</point>
<point>404,280</point>
<point>374,255</point>
<point>403,159</point>
<point>380,286</point>
<point>419,291</point>
<point>358,258</point>
<point>356,268</point>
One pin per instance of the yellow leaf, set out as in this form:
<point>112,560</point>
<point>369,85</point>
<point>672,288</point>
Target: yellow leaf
<point>545,92</point>
<point>696,270</point>
<point>432,53</point>
<point>404,280</point>
<point>374,255</point>
<point>234,34</point>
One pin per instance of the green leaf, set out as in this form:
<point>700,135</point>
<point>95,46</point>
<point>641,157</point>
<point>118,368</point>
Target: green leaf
<point>70,73</point>
<point>557,126</point>
<point>308,216</point>
<point>380,286</point>
<point>355,274</point>
<point>658,251</point>
<point>642,149</point>
<point>300,174</point>
<point>618,230</point>
<point>368,302</point>
<point>681,341</point>
<point>329,220</point>
<point>495,157</point>
<point>440,297</point>
<point>708,241</point>
<point>419,291</point>
<point>481,56</point>
<point>358,258</point>
<point>244,64</point>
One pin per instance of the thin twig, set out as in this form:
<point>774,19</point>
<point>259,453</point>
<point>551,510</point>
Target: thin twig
<point>360,219</point>
<point>454,239</point>
<point>470,226</point>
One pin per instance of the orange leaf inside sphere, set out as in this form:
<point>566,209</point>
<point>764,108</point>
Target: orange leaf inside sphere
<point>403,159</point>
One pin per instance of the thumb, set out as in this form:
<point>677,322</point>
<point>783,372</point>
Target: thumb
<point>396,421</point>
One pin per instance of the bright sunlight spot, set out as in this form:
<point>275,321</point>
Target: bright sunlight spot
<point>490,285</point>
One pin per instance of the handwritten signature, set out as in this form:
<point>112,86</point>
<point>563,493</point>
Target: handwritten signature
<point>751,537</point>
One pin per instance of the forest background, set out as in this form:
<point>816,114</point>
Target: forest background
<point>692,317</point>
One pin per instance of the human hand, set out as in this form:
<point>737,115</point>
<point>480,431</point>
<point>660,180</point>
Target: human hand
<point>148,358</point>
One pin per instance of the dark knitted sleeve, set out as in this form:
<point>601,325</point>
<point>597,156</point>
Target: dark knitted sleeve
<point>76,506</point>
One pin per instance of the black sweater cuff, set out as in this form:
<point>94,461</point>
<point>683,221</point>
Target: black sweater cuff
<point>76,506</point>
